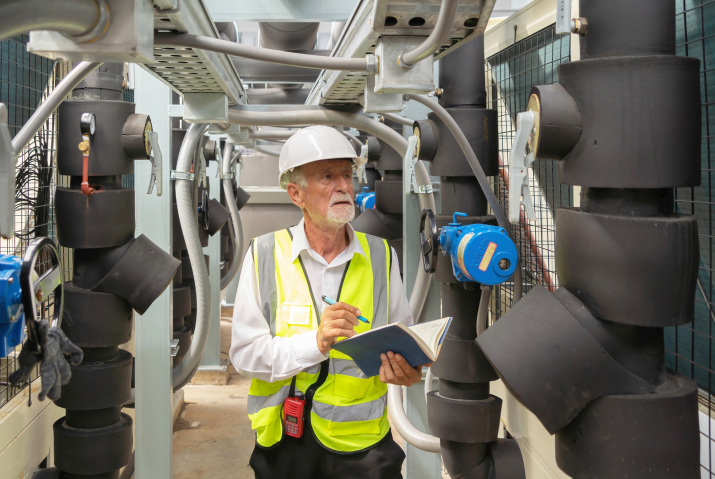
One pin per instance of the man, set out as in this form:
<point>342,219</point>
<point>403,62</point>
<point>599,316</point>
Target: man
<point>283,332</point>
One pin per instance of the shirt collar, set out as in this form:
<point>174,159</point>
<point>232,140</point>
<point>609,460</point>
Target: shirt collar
<point>300,243</point>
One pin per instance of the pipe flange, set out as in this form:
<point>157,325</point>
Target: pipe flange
<point>99,28</point>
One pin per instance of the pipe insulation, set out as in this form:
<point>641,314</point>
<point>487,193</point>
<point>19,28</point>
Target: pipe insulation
<point>440,34</point>
<point>478,172</point>
<point>264,54</point>
<point>70,17</point>
<point>53,100</point>
<point>410,433</point>
<point>182,373</point>
<point>236,226</point>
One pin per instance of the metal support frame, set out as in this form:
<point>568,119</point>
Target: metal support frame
<point>279,10</point>
<point>154,425</point>
<point>211,359</point>
<point>418,464</point>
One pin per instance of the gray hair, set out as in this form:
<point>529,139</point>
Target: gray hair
<point>294,175</point>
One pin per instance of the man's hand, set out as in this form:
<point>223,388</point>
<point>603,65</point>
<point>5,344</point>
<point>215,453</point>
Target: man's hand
<point>396,370</point>
<point>339,320</point>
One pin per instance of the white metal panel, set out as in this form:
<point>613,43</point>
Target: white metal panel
<point>26,436</point>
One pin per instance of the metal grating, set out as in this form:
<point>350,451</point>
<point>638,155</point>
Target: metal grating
<point>510,76</point>
<point>182,68</point>
<point>25,80</point>
<point>690,349</point>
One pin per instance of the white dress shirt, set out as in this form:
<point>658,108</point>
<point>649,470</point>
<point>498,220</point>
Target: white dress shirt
<point>254,353</point>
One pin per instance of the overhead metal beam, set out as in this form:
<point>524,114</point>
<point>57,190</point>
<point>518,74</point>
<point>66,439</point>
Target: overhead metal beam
<point>280,10</point>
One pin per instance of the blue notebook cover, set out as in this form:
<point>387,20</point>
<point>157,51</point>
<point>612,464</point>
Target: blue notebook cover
<point>365,349</point>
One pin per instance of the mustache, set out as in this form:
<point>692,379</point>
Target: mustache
<point>340,197</point>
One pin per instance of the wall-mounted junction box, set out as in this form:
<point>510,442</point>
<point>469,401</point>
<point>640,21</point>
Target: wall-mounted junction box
<point>391,77</point>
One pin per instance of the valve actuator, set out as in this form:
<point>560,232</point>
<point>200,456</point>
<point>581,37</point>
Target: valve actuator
<point>365,199</point>
<point>12,317</point>
<point>479,253</point>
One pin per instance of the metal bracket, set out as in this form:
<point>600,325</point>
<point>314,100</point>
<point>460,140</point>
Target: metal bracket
<point>410,181</point>
<point>519,168</point>
<point>7,178</point>
<point>563,17</point>
<point>182,175</point>
<point>156,164</point>
<point>174,347</point>
<point>360,170</point>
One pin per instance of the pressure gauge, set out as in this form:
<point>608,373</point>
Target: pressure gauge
<point>87,123</point>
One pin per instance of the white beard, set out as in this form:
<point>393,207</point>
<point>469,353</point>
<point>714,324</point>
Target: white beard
<point>341,214</point>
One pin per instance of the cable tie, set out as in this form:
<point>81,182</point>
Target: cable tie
<point>182,175</point>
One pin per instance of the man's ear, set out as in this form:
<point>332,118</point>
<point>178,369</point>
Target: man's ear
<point>294,192</point>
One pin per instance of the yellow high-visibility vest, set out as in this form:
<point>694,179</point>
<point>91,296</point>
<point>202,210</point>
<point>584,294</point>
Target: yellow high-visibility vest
<point>349,410</point>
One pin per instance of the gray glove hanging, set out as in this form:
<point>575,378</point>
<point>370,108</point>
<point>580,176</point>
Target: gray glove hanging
<point>54,368</point>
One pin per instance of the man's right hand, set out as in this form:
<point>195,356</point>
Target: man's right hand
<point>338,320</point>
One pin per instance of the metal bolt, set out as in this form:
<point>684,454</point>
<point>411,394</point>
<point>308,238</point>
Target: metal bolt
<point>38,294</point>
<point>504,264</point>
<point>10,280</point>
<point>579,25</point>
<point>438,92</point>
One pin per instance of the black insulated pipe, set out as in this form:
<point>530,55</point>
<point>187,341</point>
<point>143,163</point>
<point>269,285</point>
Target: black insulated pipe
<point>627,263</point>
<point>114,273</point>
<point>462,412</point>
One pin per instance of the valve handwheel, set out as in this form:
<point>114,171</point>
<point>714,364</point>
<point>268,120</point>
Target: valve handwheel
<point>204,210</point>
<point>429,240</point>
<point>35,292</point>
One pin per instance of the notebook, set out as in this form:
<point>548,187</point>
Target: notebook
<point>418,344</point>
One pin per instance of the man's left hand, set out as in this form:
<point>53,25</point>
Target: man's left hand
<point>396,370</point>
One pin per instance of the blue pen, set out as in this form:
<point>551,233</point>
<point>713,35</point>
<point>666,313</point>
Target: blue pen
<point>332,302</point>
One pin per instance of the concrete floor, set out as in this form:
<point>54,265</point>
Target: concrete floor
<point>213,436</point>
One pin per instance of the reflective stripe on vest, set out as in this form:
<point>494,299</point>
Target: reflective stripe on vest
<point>349,410</point>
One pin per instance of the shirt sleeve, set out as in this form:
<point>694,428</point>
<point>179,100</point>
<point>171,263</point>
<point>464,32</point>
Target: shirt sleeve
<point>399,306</point>
<point>254,352</point>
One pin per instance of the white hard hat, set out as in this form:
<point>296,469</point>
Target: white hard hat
<point>316,143</point>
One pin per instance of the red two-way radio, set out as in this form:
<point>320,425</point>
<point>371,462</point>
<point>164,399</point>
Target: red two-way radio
<point>293,408</point>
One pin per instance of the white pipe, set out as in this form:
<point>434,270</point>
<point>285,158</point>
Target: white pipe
<point>442,29</point>
<point>53,100</point>
<point>189,226</point>
<point>71,17</point>
<point>428,382</point>
<point>265,151</point>
<point>271,135</point>
<point>366,64</point>
<point>319,117</point>
<point>399,119</point>
<point>408,432</point>
<point>478,172</point>
<point>235,216</point>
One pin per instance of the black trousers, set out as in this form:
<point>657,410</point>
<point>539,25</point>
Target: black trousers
<point>305,458</point>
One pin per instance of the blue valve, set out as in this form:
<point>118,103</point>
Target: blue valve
<point>480,253</point>
<point>12,317</point>
<point>365,200</point>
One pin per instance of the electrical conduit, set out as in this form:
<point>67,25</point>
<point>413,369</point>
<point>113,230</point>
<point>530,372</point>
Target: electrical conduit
<point>71,17</point>
<point>447,12</point>
<point>237,227</point>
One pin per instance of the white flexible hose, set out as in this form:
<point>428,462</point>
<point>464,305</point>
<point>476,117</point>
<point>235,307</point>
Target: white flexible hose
<point>483,311</point>
<point>235,217</point>
<point>423,279</point>
<point>428,382</point>
<point>182,372</point>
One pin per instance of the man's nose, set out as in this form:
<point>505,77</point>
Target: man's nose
<point>343,184</point>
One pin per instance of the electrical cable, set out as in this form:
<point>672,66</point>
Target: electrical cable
<point>280,57</point>
<point>483,312</point>
<point>397,118</point>
<point>439,35</point>
<point>265,151</point>
<point>227,183</point>
<point>478,172</point>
